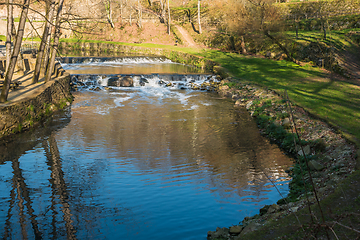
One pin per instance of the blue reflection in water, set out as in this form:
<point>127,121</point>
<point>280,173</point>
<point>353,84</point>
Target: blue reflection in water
<point>160,165</point>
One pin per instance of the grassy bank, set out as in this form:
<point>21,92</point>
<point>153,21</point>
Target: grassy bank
<point>336,101</point>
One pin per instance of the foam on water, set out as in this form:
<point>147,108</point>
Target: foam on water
<point>125,97</point>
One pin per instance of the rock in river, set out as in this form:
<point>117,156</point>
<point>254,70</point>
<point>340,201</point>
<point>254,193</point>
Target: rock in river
<point>125,81</point>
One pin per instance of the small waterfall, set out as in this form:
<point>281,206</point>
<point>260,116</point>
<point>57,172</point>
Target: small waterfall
<point>172,81</point>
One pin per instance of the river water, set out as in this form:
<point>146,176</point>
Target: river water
<point>148,162</point>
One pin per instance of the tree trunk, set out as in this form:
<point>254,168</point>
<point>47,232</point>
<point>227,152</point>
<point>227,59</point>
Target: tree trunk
<point>169,18</point>
<point>49,18</point>
<point>140,14</point>
<point>162,14</point>
<point>9,32</point>
<point>243,48</point>
<point>47,50</point>
<point>56,42</point>
<point>121,11</point>
<point>15,53</point>
<point>109,12</point>
<point>58,184</point>
<point>280,46</point>
<point>199,17</point>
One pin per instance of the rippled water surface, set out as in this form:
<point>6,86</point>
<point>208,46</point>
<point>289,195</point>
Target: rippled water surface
<point>138,163</point>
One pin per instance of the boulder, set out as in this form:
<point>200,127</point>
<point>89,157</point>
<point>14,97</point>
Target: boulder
<point>235,230</point>
<point>273,208</point>
<point>126,81</point>
<point>314,165</point>
<point>113,81</point>
<point>222,233</point>
<point>250,228</point>
<point>294,209</point>
<point>307,151</point>
<point>239,103</point>
<point>264,210</point>
<point>143,81</point>
<point>286,123</point>
<point>249,104</point>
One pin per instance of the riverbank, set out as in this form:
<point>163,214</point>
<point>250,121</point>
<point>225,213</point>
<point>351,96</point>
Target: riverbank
<point>30,104</point>
<point>331,159</point>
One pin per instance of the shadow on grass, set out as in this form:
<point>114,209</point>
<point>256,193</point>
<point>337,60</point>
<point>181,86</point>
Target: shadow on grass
<point>336,101</point>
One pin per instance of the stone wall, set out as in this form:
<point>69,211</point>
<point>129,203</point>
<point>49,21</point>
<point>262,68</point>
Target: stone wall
<point>21,115</point>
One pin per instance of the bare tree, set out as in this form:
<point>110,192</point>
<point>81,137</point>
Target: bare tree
<point>199,16</point>
<point>108,9</point>
<point>266,19</point>
<point>15,53</point>
<point>162,14</point>
<point>56,42</point>
<point>47,50</point>
<point>9,31</point>
<point>169,17</point>
<point>140,14</point>
<point>49,17</point>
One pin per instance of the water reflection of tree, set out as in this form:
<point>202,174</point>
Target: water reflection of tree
<point>22,200</point>
<point>68,210</point>
<point>216,142</point>
<point>20,193</point>
<point>58,186</point>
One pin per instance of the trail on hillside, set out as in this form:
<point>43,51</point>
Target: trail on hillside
<point>189,41</point>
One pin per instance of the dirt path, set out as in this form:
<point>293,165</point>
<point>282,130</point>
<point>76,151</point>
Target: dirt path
<point>189,41</point>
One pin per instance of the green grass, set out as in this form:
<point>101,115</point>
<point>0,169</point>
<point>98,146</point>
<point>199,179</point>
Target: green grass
<point>2,38</point>
<point>337,102</point>
<point>336,38</point>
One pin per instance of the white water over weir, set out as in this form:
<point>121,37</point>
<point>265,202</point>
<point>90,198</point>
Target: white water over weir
<point>173,81</point>
<point>137,71</point>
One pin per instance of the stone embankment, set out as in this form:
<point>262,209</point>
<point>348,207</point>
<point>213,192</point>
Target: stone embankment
<point>330,157</point>
<point>33,103</point>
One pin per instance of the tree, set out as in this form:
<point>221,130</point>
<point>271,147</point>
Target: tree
<point>140,14</point>
<point>15,53</point>
<point>56,42</point>
<point>49,17</point>
<point>266,19</point>
<point>169,18</point>
<point>9,31</point>
<point>108,9</point>
<point>199,16</point>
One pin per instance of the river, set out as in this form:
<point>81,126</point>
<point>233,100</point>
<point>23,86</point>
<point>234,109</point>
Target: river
<point>147,162</point>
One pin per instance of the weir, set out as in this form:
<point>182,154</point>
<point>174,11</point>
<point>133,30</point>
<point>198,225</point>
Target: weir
<point>142,71</point>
